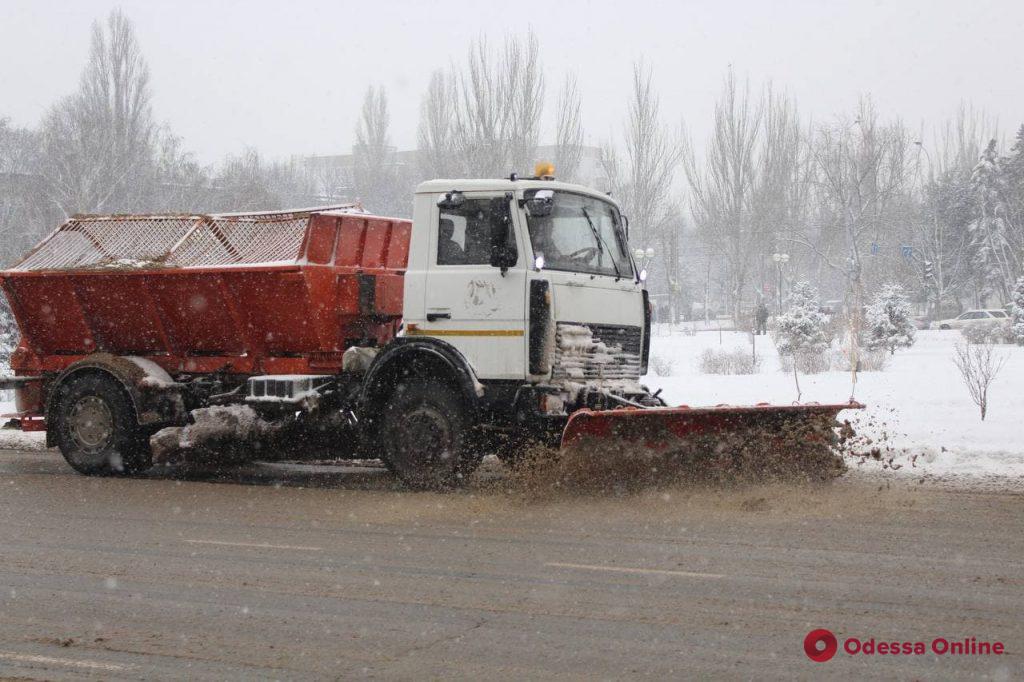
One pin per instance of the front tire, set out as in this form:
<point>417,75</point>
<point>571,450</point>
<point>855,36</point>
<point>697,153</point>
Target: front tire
<point>426,436</point>
<point>96,428</point>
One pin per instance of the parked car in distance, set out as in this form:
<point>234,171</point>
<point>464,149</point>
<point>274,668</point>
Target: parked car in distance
<point>971,317</point>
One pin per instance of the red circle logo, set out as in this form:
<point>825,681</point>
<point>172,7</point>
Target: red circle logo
<point>820,645</point>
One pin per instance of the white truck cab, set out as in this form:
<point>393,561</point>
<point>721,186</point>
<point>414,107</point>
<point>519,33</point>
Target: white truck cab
<point>530,280</point>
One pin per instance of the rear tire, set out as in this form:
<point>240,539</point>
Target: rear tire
<point>97,430</point>
<point>426,436</point>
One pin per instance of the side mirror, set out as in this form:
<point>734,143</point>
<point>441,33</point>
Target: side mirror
<point>540,204</point>
<point>625,225</point>
<point>503,250</point>
<point>452,199</point>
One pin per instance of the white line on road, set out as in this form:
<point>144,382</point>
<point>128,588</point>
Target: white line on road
<point>258,545</point>
<point>49,660</point>
<point>627,569</point>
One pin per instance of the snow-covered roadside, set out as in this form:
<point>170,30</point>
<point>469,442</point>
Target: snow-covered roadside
<point>918,405</point>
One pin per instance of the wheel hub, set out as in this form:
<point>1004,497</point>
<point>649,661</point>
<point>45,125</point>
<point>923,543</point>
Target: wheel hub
<point>91,423</point>
<point>427,435</point>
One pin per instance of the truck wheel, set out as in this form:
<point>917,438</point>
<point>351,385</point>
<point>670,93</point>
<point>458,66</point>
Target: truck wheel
<point>97,431</point>
<point>426,436</point>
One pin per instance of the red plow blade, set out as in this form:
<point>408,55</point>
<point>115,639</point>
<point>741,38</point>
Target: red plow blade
<point>668,427</point>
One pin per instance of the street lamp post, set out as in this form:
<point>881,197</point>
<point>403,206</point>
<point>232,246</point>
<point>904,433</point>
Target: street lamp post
<point>643,258</point>
<point>780,260</point>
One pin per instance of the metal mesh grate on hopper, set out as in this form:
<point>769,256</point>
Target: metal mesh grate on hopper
<point>183,241</point>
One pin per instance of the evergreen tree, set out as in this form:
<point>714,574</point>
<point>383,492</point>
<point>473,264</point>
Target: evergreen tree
<point>801,329</point>
<point>889,322</point>
<point>998,229</point>
<point>800,332</point>
<point>1017,311</point>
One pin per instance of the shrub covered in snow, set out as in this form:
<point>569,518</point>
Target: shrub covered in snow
<point>801,329</point>
<point>662,366</point>
<point>807,361</point>
<point>1017,312</point>
<point>736,361</point>
<point>890,323</point>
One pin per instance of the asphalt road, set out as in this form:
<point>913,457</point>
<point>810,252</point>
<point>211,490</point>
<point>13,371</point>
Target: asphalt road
<point>267,572</point>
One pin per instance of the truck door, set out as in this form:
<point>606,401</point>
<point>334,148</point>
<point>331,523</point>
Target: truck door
<point>472,305</point>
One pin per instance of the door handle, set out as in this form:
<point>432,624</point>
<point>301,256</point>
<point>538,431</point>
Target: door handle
<point>433,317</point>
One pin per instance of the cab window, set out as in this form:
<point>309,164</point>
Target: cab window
<point>464,233</point>
<point>580,234</point>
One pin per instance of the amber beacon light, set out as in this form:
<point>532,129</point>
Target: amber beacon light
<point>544,170</point>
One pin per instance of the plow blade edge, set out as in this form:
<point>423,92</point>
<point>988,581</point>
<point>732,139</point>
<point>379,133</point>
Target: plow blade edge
<point>666,427</point>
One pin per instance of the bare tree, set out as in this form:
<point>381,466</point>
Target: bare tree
<point>500,99</point>
<point>524,81</point>
<point>483,120</point>
<point>568,131</point>
<point>437,154</point>
<point>861,177</point>
<point>481,115</point>
<point>979,364</point>
<point>98,143</point>
<point>861,170</point>
<point>247,182</point>
<point>959,141</point>
<point>374,165</point>
<point>643,184</point>
<point>243,184</point>
<point>615,176</point>
<point>25,214</point>
<point>653,157</point>
<point>723,190</point>
<point>779,207</point>
<point>181,183</point>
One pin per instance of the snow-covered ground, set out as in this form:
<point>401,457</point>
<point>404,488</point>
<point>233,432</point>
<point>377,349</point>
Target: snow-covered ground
<point>917,405</point>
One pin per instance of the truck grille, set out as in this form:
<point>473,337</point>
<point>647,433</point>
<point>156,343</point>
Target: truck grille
<point>596,352</point>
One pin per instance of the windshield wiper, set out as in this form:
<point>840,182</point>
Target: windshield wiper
<point>601,245</point>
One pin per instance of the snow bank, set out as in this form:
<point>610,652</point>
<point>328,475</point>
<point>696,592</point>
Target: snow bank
<point>919,412</point>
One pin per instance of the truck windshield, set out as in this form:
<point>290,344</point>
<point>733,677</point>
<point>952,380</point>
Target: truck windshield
<point>580,234</point>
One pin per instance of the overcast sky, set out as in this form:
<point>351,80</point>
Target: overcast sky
<point>288,77</point>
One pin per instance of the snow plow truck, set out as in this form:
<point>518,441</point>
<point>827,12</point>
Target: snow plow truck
<point>506,311</point>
